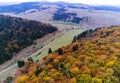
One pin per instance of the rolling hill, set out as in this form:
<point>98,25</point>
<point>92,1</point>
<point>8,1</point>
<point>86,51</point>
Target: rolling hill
<point>18,8</point>
<point>93,57</point>
<point>18,33</point>
<point>87,16</point>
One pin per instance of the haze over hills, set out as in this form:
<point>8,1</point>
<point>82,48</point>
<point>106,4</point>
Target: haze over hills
<point>18,8</point>
<point>85,15</point>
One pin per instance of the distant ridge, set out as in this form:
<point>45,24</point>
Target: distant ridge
<point>22,7</point>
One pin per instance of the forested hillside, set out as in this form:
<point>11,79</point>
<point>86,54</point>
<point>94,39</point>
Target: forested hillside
<point>93,57</point>
<point>18,33</point>
<point>61,15</point>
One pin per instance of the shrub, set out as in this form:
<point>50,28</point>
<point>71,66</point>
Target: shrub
<point>49,51</point>
<point>75,48</point>
<point>20,63</point>
<point>60,51</point>
<point>38,70</point>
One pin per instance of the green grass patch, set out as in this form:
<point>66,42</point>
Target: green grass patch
<point>60,41</point>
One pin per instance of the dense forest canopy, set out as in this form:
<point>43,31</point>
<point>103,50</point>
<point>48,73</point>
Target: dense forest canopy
<point>17,33</point>
<point>93,57</point>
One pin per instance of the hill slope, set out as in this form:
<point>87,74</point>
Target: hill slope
<point>93,58</point>
<point>22,7</point>
<point>87,16</point>
<point>17,33</point>
<point>19,8</point>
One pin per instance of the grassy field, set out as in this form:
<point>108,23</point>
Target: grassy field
<point>64,25</point>
<point>62,40</point>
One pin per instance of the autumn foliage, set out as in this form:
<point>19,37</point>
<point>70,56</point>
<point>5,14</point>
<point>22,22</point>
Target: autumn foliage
<point>96,60</point>
<point>18,33</point>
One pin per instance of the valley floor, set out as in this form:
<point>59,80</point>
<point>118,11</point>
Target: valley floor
<point>10,67</point>
<point>54,41</point>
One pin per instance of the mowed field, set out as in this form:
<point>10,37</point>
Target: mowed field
<point>59,40</point>
<point>62,40</point>
<point>65,25</point>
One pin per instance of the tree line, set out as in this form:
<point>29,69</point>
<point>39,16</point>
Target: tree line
<point>62,15</point>
<point>18,33</point>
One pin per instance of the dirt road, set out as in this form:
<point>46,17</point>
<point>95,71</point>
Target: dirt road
<point>10,68</point>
